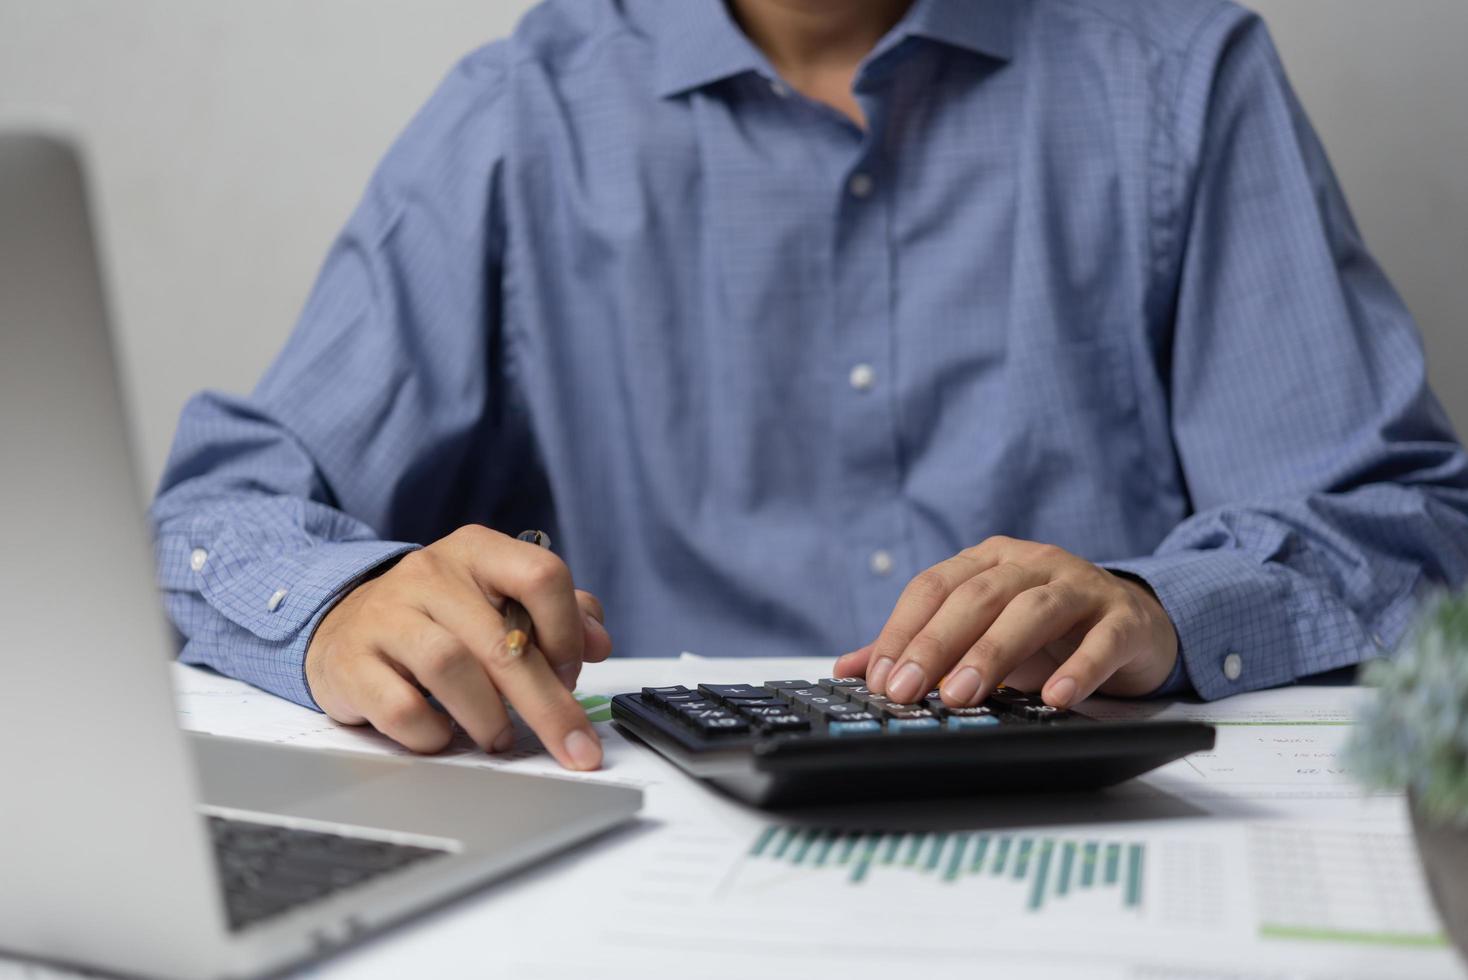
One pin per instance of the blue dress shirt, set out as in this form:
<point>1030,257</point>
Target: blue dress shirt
<point>1086,278</point>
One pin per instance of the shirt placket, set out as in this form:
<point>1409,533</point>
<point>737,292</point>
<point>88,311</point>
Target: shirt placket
<point>876,548</point>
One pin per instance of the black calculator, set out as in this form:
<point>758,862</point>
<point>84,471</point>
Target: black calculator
<point>788,742</point>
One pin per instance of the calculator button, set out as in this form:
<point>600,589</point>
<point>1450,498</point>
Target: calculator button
<point>961,722</point>
<point>751,710</point>
<point>658,694</point>
<point>696,716</point>
<point>732,692</point>
<point>899,725</point>
<point>978,712</point>
<point>671,701</point>
<point>893,710</point>
<point>1008,699</point>
<point>839,728</point>
<point>786,685</point>
<point>815,698</point>
<point>759,703</point>
<point>728,725</point>
<point>840,683</point>
<point>904,713</point>
<point>1043,712</point>
<point>685,707</point>
<point>776,724</point>
<point>844,711</point>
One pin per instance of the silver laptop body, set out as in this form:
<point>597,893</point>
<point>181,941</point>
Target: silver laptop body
<point>105,856</point>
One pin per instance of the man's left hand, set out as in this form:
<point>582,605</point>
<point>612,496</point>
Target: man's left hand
<point>1029,615</point>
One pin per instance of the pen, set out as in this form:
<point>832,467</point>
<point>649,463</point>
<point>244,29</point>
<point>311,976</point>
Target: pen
<point>517,620</point>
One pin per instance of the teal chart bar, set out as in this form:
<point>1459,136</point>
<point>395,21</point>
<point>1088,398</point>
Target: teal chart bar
<point>1049,868</point>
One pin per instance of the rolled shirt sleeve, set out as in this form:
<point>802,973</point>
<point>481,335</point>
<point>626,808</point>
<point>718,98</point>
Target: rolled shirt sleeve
<point>1328,490</point>
<point>373,408</point>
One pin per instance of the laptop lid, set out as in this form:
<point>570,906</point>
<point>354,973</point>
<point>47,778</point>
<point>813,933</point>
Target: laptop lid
<point>103,851</point>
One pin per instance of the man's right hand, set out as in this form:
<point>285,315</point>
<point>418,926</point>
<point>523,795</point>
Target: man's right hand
<point>433,622</point>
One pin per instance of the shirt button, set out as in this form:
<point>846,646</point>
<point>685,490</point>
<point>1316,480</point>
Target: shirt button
<point>860,185</point>
<point>863,377</point>
<point>1233,666</point>
<point>881,563</point>
<point>275,600</point>
<point>197,559</point>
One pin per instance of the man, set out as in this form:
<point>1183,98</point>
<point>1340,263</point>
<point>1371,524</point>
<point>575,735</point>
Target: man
<point>1050,309</point>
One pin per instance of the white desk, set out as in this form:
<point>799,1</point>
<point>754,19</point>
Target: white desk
<point>1260,859</point>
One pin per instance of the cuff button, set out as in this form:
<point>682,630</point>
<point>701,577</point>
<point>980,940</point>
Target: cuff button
<point>198,558</point>
<point>275,600</point>
<point>1233,666</point>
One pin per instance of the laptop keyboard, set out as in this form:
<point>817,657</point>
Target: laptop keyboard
<point>268,869</point>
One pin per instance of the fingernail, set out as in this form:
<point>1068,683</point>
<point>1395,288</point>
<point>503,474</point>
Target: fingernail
<point>905,685</point>
<point>1061,692</point>
<point>582,750</point>
<point>877,676</point>
<point>962,686</point>
<point>504,740</point>
<point>569,674</point>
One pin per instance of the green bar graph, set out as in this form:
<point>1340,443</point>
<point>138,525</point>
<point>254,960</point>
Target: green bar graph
<point>1001,857</point>
<point>1043,869</point>
<point>1134,875</point>
<point>1037,893</point>
<point>1088,864</point>
<point>955,860</point>
<point>934,850</point>
<point>1022,857</point>
<point>828,840</point>
<point>981,850</point>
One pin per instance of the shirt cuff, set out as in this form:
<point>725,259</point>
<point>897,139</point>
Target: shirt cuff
<point>1233,619</point>
<point>278,602</point>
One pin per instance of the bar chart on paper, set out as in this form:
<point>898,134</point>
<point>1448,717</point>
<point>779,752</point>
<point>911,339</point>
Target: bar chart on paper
<point>1021,874</point>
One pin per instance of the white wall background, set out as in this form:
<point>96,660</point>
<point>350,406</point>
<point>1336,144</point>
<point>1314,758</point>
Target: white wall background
<point>230,140</point>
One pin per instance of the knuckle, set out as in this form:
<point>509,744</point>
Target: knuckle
<point>399,712</point>
<point>1048,553</point>
<point>441,654</point>
<point>892,641</point>
<point>979,591</point>
<point>985,652</point>
<point>1129,624</point>
<point>1046,600</point>
<point>929,586</point>
<point>927,649</point>
<point>547,573</point>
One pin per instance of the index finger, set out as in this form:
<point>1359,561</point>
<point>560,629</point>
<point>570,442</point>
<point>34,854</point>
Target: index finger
<point>920,600</point>
<point>531,686</point>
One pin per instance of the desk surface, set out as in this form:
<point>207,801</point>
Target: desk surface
<point>1260,856</point>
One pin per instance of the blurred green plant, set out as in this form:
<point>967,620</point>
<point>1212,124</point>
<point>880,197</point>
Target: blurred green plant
<point>1414,735</point>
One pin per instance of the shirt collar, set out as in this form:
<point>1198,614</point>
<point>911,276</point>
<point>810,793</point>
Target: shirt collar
<point>699,43</point>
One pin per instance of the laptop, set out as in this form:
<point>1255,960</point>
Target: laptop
<point>126,844</point>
